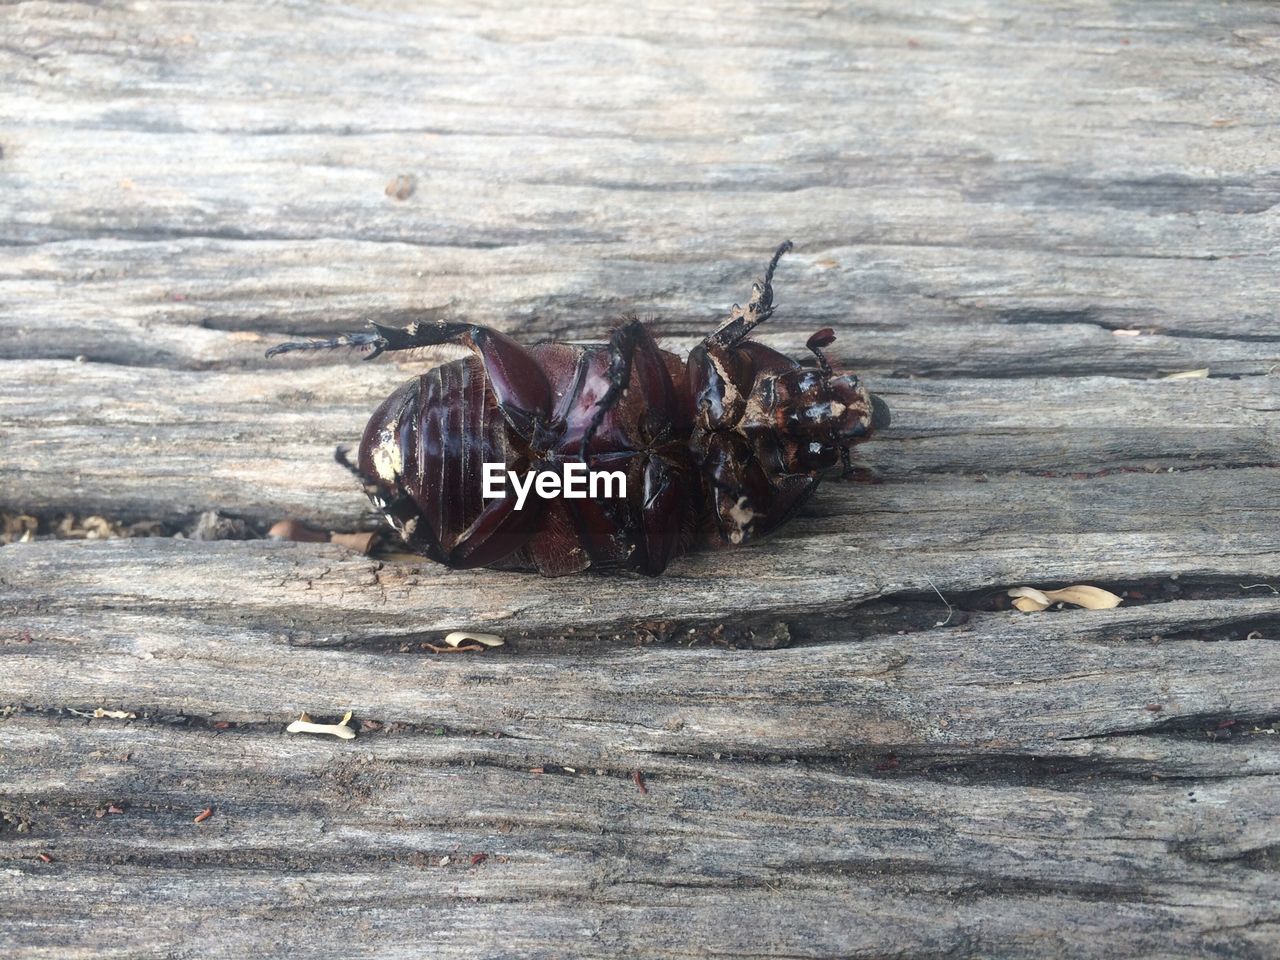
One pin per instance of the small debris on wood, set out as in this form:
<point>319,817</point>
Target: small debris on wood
<point>1187,374</point>
<point>537,771</point>
<point>465,648</point>
<point>638,778</point>
<point>769,635</point>
<point>99,714</point>
<point>24,528</point>
<point>297,531</point>
<point>45,858</point>
<point>1126,333</point>
<point>304,724</point>
<point>91,528</point>
<point>17,527</point>
<point>203,815</point>
<point>110,808</point>
<point>1222,731</point>
<point>445,861</point>
<point>370,725</point>
<point>18,822</point>
<point>950,612</point>
<point>478,858</point>
<point>401,187</point>
<point>359,542</point>
<point>214,526</point>
<point>1031,600</point>
<point>462,636</point>
<point>1154,707</point>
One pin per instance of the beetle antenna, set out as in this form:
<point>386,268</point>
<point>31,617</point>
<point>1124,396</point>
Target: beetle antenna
<point>848,464</point>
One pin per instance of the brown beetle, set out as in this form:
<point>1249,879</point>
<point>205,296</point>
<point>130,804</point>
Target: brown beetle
<point>720,449</point>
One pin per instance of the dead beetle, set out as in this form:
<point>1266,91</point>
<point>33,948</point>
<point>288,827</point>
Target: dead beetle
<point>717,450</point>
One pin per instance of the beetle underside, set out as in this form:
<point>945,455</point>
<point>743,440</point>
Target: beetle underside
<point>716,450</point>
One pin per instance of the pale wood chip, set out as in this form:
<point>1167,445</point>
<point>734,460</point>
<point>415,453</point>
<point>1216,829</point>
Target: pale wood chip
<point>297,531</point>
<point>462,636</point>
<point>359,542</point>
<point>1031,600</point>
<point>304,724</point>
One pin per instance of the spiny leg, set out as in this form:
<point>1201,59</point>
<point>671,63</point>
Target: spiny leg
<point>340,454</point>
<point>518,382</point>
<point>758,309</point>
<point>333,343</point>
<point>395,506</point>
<point>371,485</point>
<point>824,338</point>
<point>849,470</point>
<point>622,349</point>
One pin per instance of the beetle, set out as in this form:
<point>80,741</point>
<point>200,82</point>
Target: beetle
<point>720,449</point>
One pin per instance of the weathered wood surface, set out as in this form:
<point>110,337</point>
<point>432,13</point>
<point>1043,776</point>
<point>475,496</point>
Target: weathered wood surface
<point>1018,217</point>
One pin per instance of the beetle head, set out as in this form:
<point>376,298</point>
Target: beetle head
<point>816,413</point>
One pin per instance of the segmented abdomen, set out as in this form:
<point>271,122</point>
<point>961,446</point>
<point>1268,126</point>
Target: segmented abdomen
<point>431,439</point>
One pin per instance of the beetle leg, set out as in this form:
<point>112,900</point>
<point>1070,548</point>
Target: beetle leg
<point>518,382</point>
<point>823,338</point>
<point>861,475</point>
<point>340,455</point>
<point>662,515</point>
<point>395,506</point>
<point>845,459</point>
<point>622,351</point>
<point>332,343</point>
<point>758,309</point>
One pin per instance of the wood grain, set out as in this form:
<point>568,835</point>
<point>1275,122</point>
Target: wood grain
<point>146,443</point>
<point>1018,217</point>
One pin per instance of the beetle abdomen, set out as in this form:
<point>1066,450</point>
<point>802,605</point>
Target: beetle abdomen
<point>430,440</point>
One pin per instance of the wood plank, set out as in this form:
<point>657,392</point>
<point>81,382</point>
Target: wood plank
<point>1018,217</point>
<point>1028,211</point>
<point>147,443</point>
<point>823,779</point>
<point>144,624</point>
<point>931,312</point>
<point>743,858</point>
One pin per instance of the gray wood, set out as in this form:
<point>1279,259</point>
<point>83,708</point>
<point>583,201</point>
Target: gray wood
<point>148,443</point>
<point>1017,216</point>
